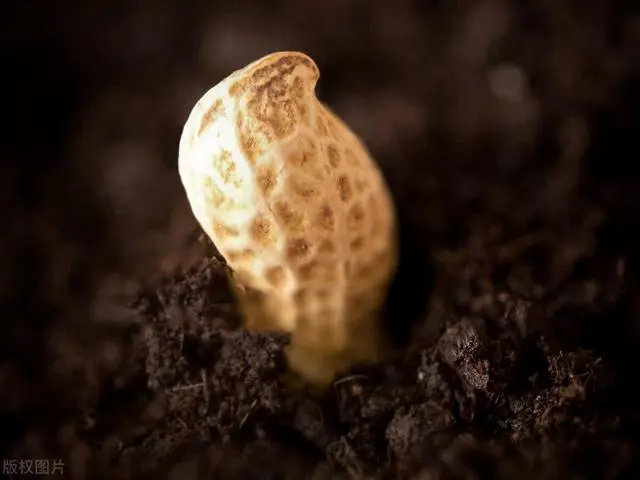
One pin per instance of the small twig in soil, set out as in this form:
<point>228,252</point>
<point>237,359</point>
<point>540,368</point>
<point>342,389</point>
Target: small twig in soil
<point>348,379</point>
<point>187,387</point>
<point>205,389</point>
<point>244,419</point>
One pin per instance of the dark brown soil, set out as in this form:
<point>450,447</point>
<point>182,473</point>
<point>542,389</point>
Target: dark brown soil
<point>508,132</point>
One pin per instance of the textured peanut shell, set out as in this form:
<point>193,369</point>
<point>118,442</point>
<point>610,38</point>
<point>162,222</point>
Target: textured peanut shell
<point>297,207</point>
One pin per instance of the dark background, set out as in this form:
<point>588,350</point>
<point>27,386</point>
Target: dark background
<point>508,132</point>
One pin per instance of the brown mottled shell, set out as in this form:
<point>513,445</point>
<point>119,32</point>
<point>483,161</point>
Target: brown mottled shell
<point>295,204</point>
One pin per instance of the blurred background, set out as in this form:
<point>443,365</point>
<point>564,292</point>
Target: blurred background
<point>494,121</point>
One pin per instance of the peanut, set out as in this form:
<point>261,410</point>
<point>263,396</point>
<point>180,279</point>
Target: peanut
<point>298,208</point>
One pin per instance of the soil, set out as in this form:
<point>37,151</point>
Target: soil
<point>508,133</point>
